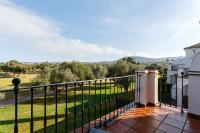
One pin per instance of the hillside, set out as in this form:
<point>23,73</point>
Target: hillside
<point>145,60</point>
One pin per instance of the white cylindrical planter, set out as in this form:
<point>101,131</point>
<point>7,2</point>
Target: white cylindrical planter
<point>147,87</point>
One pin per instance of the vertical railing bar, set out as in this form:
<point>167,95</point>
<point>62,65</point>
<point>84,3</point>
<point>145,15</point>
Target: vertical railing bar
<point>117,98</point>
<point>89,106</point>
<point>95,106</point>
<point>139,87</point>
<point>16,82</point>
<point>31,122</point>
<point>170,96</point>
<point>114,99</point>
<point>66,110</point>
<point>121,102</point>
<point>100,100</point>
<point>182,74</point>
<point>82,112</point>
<point>124,98</point>
<point>160,92</point>
<point>123,106</point>
<point>74,107</point>
<point>110,101</point>
<point>56,108</point>
<point>45,108</point>
<point>136,90</point>
<point>105,103</point>
<point>133,91</point>
<point>16,111</point>
<point>165,93</point>
<point>176,90</point>
<point>125,93</point>
<point>128,91</point>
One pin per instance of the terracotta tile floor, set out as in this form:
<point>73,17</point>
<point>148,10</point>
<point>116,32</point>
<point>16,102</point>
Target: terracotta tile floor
<point>154,120</point>
<point>148,120</point>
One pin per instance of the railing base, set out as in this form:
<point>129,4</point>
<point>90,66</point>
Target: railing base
<point>139,105</point>
<point>194,116</point>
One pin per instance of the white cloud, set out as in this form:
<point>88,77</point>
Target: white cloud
<point>79,48</point>
<point>42,34</point>
<point>109,20</point>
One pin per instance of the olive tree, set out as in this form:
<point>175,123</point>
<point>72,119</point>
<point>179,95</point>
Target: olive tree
<point>99,70</point>
<point>44,74</point>
<point>80,70</point>
<point>59,74</point>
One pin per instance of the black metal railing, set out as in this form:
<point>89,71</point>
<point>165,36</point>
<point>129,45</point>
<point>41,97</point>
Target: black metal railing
<point>174,94</point>
<point>76,105</point>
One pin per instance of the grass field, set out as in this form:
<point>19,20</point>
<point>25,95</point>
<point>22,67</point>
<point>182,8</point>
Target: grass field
<point>7,114</point>
<point>26,80</point>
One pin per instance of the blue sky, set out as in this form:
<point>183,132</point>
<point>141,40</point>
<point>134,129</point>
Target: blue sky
<point>96,30</point>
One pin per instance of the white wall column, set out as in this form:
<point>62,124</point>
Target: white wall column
<point>152,87</point>
<point>141,79</point>
<point>147,87</point>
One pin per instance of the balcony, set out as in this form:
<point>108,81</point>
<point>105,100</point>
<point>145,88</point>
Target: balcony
<point>115,105</point>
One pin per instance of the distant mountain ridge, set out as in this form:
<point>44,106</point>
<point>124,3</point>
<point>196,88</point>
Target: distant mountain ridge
<point>154,60</point>
<point>139,59</point>
<point>146,60</point>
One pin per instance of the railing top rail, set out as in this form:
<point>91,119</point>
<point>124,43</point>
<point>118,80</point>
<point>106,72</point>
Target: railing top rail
<point>65,83</point>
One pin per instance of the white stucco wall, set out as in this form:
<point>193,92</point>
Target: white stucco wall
<point>194,86</point>
<point>194,95</point>
<point>152,91</point>
<point>192,52</point>
<point>141,87</point>
<point>195,65</point>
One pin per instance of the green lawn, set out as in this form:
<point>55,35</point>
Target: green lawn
<point>26,79</point>
<point>7,114</point>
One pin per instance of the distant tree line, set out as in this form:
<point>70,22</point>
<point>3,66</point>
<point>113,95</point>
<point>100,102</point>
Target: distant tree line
<point>16,67</point>
<point>74,71</point>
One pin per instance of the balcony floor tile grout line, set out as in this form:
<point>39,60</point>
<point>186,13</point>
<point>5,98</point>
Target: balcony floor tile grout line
<point>169,124</point>
<point>128,125</point>
<point>131,129</point>
<point>176,119</point>
<point>166,116</point>
<point>184,125</point>
<point>160,124</point>
<point>110,122</point>
<point>172,125</point>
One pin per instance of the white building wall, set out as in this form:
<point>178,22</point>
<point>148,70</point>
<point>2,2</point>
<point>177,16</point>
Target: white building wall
<point>183,66</point>
<point>194,95</point>
<point>191,52</point>
<point>194,87</point>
